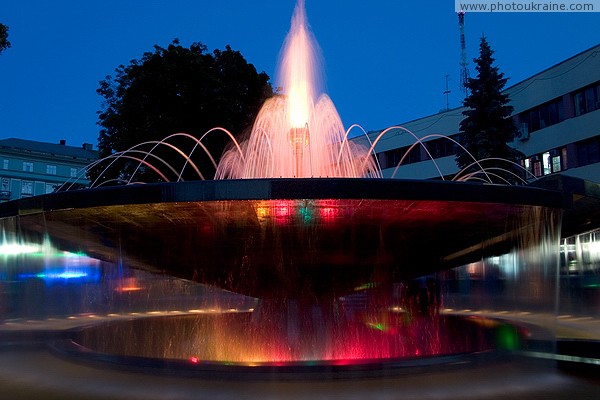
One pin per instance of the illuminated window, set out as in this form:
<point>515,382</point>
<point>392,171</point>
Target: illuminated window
<point>51,169</point>
<point>556,164</point>
<point>27,166</point>
<point>5,164</point>
<point>5,185</point>
<point>49,188</point>
<point>546,163</point>
<point>74,172</point>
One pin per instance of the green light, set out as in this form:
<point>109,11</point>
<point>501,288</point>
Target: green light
<point>379,327</point>
<point>306,214</point>
<point>507,337</point>
<point>365,286</point>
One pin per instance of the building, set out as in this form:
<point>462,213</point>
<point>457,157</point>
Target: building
<point>30,168</point>
<point>557,112</point>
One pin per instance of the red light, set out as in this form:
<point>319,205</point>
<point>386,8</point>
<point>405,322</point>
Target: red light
<point>328,214</point>
<point>282,208</point>
<point>194,360</point>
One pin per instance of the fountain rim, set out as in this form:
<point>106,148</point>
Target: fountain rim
<point>66,345</point>
<point>286,371</point>
<point>285,189</point>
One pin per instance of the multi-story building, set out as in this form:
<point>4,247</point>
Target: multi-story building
<point>29,168</point>
<point>557,112</point>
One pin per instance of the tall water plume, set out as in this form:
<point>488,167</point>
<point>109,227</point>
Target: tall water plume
<point>298,133</point>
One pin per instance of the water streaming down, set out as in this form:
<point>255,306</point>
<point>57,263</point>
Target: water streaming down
<point>298,133</point>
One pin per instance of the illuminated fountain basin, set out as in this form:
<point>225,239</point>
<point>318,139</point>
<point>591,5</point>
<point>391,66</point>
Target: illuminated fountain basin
<point>334,264</point>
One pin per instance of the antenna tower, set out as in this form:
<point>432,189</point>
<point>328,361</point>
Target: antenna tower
<point>464,71</point>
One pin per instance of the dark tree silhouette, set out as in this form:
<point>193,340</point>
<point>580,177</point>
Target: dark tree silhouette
<point>4,43</point>
<point>175,90</point>
<point>487,127</point>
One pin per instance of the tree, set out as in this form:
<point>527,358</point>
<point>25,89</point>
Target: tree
<point>487,127</point>
<point>4,43</point>
<point>175,90</point>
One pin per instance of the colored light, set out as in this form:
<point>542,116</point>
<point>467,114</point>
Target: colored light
<point>507,337</point>
<point>328,213</point>
<point>62,275</point>
<point>379,326</point>
<point>14,249</point>
<point>365,286</point>
<point>194,360</point>
<point>306,214</point>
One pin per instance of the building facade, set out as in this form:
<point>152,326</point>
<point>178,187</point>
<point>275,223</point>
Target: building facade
<point>557,112</point>
<point>30,168</point>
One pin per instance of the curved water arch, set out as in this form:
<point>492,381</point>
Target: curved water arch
<point>123,154</point>
<point>377,172</point>
<point>142,161</point>
<point>177,149</point>
<point>527,172</point>
<point>385,131</point>
<point>115,156</point>
<point>475,161</point>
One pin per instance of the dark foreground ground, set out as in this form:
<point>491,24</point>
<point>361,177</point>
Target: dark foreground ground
<point>34,373</point>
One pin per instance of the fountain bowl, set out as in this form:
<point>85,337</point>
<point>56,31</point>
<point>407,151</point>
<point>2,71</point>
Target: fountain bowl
<point>280,237</point>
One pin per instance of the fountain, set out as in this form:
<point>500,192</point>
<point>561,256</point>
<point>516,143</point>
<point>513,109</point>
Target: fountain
<point>300,134</point>
<point>340,267</point>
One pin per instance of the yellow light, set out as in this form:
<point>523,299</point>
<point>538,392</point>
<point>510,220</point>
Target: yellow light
<point>298,104</point>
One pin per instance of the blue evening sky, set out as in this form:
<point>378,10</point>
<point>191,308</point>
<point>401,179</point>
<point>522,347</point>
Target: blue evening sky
<point>385,60</point>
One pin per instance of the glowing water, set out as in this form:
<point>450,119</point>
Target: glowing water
<point>299,133</point>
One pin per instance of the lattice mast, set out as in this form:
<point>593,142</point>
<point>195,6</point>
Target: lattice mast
<point>464,70</point>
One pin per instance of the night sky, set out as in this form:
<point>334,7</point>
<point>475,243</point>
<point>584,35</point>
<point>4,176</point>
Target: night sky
<point>385,60</point>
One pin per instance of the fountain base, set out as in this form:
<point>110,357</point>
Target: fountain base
<point>197,346</point>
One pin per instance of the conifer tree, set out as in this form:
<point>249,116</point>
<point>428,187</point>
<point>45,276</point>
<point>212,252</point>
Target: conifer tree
<point>487,127</point>
<point>4,43</point>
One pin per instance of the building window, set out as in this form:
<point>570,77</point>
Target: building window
<point>27,188</point>
<point>74,173</point>
<point>393,157</point>
<point>537,167</point>
<point>543,116</point>
<point>5,189</point>
<point>556,165</point>
<point>588,152</point>
<point>564,159</point>
<point>442,147</point>
<point>547,163</point>
<point>49,188</point>
<point>27,166</point>
<point>5,164</point>
<point>587,99</point>
<point>51,169</point>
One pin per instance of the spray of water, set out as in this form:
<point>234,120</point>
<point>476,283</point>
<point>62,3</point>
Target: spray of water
<point>300,133</point>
